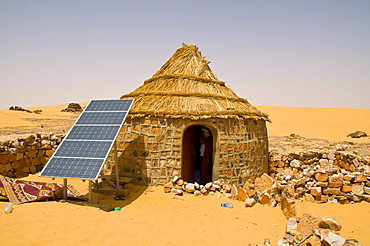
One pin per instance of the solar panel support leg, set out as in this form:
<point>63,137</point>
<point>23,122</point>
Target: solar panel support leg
<point>116,164</point>
<point>90,191</point>
<point>65,189</point>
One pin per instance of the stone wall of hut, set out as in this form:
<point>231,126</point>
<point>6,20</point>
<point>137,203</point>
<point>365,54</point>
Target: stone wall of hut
<point>150,149</point>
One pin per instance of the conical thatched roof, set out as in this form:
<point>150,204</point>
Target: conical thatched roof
<point>185,87</point>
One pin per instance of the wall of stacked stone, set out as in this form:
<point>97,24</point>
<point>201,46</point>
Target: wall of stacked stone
<point>149,149</point>
<point>322,176</point>
<point>243,150</point>
<point>27,155</point>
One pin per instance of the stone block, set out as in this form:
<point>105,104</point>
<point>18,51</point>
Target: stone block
<point>15,164</point>
<point>335,181</point>
<point>31,154</point>
<point>331,223</point>
<point>332,191</point>
<point>346,188</point>
<point>291,226</point>
<point>11,157</point>
<point>265,198</point>
<point>358,189</point>
<point>19,156</point>
<point>360,178</point>
<point>288,207</point>
<point>316,191</point>
<point>307,224</point>
<point>7,167</point>
<point>190,187</point>
<point>43,160</point>
<point>23,162</point>
<point>342,200</point>
<point>49,152</point>
<point>295,163</point>
<point>366,190</point>
<point>35,161</point>
<point>322,184</point>
<point>250,202</point>
<point>321,177</point>
<point>309,197</point>
<point>329,238</point>
<point>263,183</point>
<point>241,195</point>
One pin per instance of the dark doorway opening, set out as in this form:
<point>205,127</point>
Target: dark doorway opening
<point>197,154</point>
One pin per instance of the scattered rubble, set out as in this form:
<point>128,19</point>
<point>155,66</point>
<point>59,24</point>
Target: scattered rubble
<point>314,231</point>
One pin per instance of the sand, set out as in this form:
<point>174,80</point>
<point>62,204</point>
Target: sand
<point>151,217</point>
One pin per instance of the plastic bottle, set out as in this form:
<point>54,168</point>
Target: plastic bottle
<point>227,205</point>
<point>8,208</point>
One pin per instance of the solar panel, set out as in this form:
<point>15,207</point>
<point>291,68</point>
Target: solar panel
<point>84,150</point>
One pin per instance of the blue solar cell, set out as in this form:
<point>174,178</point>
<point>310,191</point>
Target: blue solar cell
<point>91,149</point>
<point>73,168</point>
<point>109,105</point>
<point>101,118</point>
<point>93,132</point>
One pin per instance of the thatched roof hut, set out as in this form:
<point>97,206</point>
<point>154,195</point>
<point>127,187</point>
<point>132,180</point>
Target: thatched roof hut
<point>185,87</point>
<point>186,122</point>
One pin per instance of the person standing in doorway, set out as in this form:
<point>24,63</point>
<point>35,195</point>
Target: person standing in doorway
<point>206,152</point>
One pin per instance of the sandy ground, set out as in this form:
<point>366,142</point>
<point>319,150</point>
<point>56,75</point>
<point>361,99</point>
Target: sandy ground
<point>151,217</point>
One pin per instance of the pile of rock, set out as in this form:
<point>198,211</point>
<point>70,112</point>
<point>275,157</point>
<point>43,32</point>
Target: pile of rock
<point>73,107</point>
<point>178,186</point>
<point>24,155</point>
<point>313,184</point>
<point>322,176</point>
<point>315,231</point>
<point>17,108</point>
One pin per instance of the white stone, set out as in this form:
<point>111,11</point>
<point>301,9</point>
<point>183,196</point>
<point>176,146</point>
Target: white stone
<point>308,172</point>
<point>292,225</point>
<point>295,163</point>
<point>323,162</point>
<point>197,193</point>
<point>176,191</point>
<point>250,202</point>
<point>330,238</point>
<point>190,188</point>
<point>208,185</point>
<point>282,242</point>
<point>174,180</point>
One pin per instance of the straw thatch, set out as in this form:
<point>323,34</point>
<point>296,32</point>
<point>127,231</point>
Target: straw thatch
<point>185,87</point>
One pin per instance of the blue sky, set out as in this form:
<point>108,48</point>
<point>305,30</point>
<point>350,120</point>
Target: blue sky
<point>273,53</point>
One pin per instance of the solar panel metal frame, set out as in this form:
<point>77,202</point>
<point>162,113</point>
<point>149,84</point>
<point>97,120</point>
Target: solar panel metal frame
<point>88,173</point>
